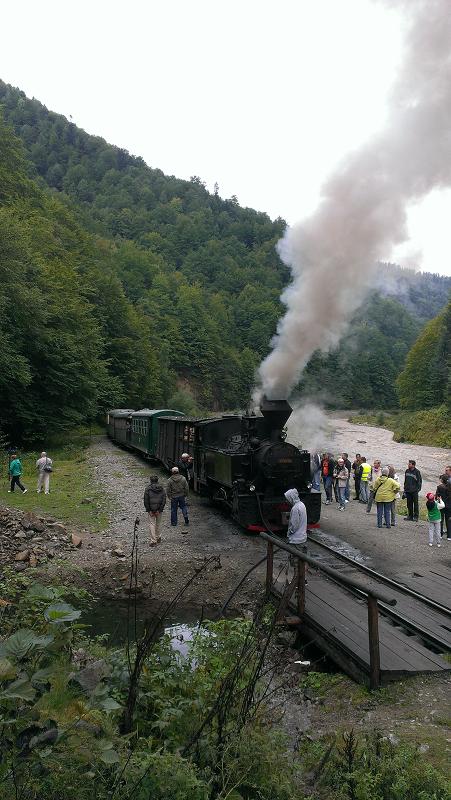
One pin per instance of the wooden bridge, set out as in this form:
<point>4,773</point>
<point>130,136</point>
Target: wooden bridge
<point>354,620</point>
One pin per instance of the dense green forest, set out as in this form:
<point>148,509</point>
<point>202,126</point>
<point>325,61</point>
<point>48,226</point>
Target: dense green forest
<point>138,288</point>
<point>425,381</point>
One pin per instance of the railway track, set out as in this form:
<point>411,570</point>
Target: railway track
<point>421,618</point>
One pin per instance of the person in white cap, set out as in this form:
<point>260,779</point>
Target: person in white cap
<point>177,491</point>
<point>185,466</point>
<point>44,466</point>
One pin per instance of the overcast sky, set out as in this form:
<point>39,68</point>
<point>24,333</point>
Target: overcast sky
<point>262,97</point>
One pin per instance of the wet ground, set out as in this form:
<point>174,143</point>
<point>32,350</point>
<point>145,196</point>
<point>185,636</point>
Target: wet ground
<point>212,535</point>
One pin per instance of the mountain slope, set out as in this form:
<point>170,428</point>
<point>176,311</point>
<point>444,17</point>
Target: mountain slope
<point>203,276</point>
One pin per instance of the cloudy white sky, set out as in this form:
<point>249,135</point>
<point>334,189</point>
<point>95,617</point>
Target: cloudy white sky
<point>263,97</point>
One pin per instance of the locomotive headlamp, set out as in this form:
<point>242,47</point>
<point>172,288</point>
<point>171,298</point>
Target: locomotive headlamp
<point>252,487</point>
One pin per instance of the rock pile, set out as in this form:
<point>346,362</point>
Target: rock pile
<point>27,540</point>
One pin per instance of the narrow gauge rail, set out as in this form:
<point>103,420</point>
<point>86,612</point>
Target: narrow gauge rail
<point>428,621</point>
<point>384,578</point>
<point>335,603</point>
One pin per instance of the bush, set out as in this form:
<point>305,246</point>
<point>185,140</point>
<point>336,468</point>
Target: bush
<point>371,768</point>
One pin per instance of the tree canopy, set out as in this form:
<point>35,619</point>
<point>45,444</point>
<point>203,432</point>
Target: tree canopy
<point>425,381</point>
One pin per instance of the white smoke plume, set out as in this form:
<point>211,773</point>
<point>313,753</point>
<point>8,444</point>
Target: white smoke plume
<point>362,212</point>
<point>309,428</point>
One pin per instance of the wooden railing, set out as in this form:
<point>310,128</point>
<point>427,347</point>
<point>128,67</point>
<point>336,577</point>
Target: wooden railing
<point>297,587</point>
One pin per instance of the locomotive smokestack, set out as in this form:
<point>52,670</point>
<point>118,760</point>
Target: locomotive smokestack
<point>275,412</point>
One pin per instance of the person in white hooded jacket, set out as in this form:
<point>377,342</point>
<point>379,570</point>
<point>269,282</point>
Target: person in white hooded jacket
<point>297,526</point>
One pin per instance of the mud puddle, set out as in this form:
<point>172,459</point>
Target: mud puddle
<point>121,622</point>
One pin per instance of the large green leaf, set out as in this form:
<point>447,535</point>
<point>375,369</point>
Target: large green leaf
<point>23,642</point>
<point>39,592</point>
<point>21,688</point>
<point>107,754</point>
<point>7,670</point>
<point>58,613</point>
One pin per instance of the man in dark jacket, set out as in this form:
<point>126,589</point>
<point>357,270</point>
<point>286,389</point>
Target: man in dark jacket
<point>357,467</point>
<point>177,491</point>
<point>185,466</point>
<point>154,502</point>
<point>412,485</point>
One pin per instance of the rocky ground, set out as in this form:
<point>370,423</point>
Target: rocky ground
<point>28,540</point>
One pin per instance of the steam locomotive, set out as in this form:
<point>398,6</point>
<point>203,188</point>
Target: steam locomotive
<point>241,462</point>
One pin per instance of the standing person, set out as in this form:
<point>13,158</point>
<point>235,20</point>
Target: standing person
<point>341,475</point>
<point>177,491</point>
<point>433,518</point>
<point>44,466</point>
<point>345,457</point>
<point>376,472</point>
<point>443,493</point>
<point>15,471</point>
<point>185,466</point>
<point>357,468</point>
<point>364,479</point>
<point>154,503</point>
<point>327,471</point>
<point>392,474</point>
<point>385,490</point>
<point>412,486</point>
<point>297,525</point>
<point>315,471</point>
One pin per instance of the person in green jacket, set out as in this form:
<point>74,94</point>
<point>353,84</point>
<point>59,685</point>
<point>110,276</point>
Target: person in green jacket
<point>385,490</point>
<point>15,471</point>
<point>434,517</point>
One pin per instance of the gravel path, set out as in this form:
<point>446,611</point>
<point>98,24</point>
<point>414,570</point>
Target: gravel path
<point>402,550</point>
<point>123,477</point>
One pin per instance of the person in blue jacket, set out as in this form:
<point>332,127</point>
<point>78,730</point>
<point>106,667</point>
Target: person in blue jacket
<point>15,471</point>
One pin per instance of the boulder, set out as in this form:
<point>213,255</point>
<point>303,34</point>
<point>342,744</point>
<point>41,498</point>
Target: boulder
<point>22,556</point>
<point>31,522</point>
<point>57,528</point>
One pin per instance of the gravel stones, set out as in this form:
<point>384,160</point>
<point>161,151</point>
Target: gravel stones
<point>43,539</point>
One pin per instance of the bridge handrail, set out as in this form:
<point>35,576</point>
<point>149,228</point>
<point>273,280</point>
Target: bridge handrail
<point>337,576</point>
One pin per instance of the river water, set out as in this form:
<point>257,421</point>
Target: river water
<point>333,432</point>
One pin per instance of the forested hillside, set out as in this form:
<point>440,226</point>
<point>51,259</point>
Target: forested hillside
<point>183,287</point>
<point>425,381</point>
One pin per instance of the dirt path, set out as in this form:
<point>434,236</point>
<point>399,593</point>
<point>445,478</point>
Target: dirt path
<point>401,550</point>
<point>123,477</point>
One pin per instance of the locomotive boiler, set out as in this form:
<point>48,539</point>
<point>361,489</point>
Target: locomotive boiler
<point>245,463</point>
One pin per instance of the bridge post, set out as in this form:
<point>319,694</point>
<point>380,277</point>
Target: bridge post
<point>373,640</point>
<point>269,567</point>
<point>301,587</point>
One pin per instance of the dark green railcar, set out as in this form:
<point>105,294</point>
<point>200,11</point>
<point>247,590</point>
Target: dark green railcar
<point>144,429</point>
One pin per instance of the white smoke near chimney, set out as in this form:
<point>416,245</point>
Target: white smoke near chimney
<point>362,214</point>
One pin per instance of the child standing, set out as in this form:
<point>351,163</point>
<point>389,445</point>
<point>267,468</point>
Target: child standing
<point>434,518</point>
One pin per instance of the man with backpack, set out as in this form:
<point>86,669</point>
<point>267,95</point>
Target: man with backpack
<point>44,466</point>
